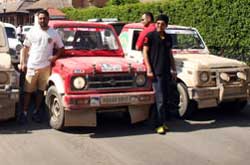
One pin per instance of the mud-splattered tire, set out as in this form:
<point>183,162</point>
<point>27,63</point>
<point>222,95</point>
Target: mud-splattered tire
<point>55,108</point>
<point>186,106</point>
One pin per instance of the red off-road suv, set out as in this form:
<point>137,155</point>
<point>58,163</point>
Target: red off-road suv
<point>93,76</point>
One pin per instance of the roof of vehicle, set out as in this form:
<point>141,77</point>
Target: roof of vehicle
<point>66,23</point>
<point>140,26</point>
<point>9,25</point>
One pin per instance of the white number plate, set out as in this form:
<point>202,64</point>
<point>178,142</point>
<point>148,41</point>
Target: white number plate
<point>115,100</point>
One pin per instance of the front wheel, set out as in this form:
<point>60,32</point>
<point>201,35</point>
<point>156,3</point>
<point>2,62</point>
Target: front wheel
<point>186,106</point>
<point>55,108</point>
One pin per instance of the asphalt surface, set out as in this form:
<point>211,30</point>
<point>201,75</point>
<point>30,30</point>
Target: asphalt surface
<point>210,137</point>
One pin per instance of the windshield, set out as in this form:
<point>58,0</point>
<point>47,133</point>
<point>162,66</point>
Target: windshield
<point>11,33</point>
<point>185,39</point>
<point>88,38</point>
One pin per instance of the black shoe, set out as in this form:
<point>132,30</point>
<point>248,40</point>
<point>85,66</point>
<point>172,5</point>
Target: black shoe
<point>22,118</point>
<point>36,117</point>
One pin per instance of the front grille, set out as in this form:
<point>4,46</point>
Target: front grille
<point>110,81</point>
<point>234,80</point>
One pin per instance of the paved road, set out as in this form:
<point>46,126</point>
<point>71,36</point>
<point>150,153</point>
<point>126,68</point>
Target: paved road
<point>209,137</point>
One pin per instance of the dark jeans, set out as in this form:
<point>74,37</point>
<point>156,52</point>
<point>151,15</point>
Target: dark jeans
<point>160,86</point>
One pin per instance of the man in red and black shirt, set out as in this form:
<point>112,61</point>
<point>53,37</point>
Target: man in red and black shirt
<point>158,58</point>
<point>147,20</point>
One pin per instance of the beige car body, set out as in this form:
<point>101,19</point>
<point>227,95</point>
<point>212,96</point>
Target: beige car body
<point>228,79</point>
<point>8,79</point>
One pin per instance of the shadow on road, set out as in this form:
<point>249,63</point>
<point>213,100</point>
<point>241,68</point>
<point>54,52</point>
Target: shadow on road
<point>202,119</point>
<point>12,127</point>
<point>118,126</point>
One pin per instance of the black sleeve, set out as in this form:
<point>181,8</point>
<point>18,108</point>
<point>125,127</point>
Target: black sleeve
<point>147,39</point>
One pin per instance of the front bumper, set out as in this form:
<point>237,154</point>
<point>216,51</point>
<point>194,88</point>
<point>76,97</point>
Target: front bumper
<point>212,96</point>
<point>8,100</point>
<point>73,102</point>
<point>80,110</point>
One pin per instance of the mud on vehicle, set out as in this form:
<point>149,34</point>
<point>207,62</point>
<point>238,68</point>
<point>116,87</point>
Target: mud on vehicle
<point>93,77</point>
<point>204,80</point>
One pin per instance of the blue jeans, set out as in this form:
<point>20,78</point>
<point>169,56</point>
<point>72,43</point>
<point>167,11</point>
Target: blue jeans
<point>160,86</point>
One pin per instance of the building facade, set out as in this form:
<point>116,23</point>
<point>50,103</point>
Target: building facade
<point>21,12</point>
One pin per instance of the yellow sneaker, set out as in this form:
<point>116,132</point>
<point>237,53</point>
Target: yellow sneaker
<point>165,127</point>
<point>160,130</point>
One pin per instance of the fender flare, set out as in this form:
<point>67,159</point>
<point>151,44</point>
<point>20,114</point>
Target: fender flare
<point>57,80</point>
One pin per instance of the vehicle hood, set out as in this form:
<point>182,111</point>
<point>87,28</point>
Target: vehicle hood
<point>98,64</point>
<point>203,61</point>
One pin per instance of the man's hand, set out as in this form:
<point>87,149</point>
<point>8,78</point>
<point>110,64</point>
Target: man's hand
<point>22,67</point>
<point>52,58</point>
<point>150,74</point>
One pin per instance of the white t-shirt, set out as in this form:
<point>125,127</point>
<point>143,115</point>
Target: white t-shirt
<point>41,44</point>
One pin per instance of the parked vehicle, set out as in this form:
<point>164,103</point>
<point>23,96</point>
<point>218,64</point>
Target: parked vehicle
<point>26,29</point>
<point>93,77</point>
<point>8,79</point>
<point>14,44</point>
<point>204,80</point>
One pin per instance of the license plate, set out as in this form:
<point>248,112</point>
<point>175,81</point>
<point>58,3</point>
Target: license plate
<point>115,100</point>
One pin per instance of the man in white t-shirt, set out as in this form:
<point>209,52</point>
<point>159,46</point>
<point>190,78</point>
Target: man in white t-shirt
<point>38,52</point>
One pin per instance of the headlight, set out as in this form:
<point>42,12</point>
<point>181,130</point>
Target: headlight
<point>4,78</point>
<point>242,76</point>
<point>140,80</point>
<point>224,77</point>
<point>79,82</point>
<point>204,76</point>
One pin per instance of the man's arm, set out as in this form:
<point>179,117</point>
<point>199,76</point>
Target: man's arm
<point>23,58</point>
<point>173,66</point>
<point>146,60</point>
<point>59,52</point>
<point>139,42</point>
<point>59,48</point>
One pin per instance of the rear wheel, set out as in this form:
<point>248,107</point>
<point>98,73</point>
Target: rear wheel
<point>55,108</point>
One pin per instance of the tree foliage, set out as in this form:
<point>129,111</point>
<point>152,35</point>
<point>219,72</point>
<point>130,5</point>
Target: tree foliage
<point>222,23</point>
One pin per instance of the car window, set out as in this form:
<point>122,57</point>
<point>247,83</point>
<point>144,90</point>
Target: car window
<point>87,38</point>
<point>135,37</point>
<point>185,39</point>
<point>11,33</point>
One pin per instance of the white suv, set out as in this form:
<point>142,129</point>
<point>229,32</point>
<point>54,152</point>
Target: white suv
<point>204,80</point>
<point>8,79</point>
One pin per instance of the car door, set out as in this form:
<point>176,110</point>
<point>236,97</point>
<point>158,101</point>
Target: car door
<point>128,41</point>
